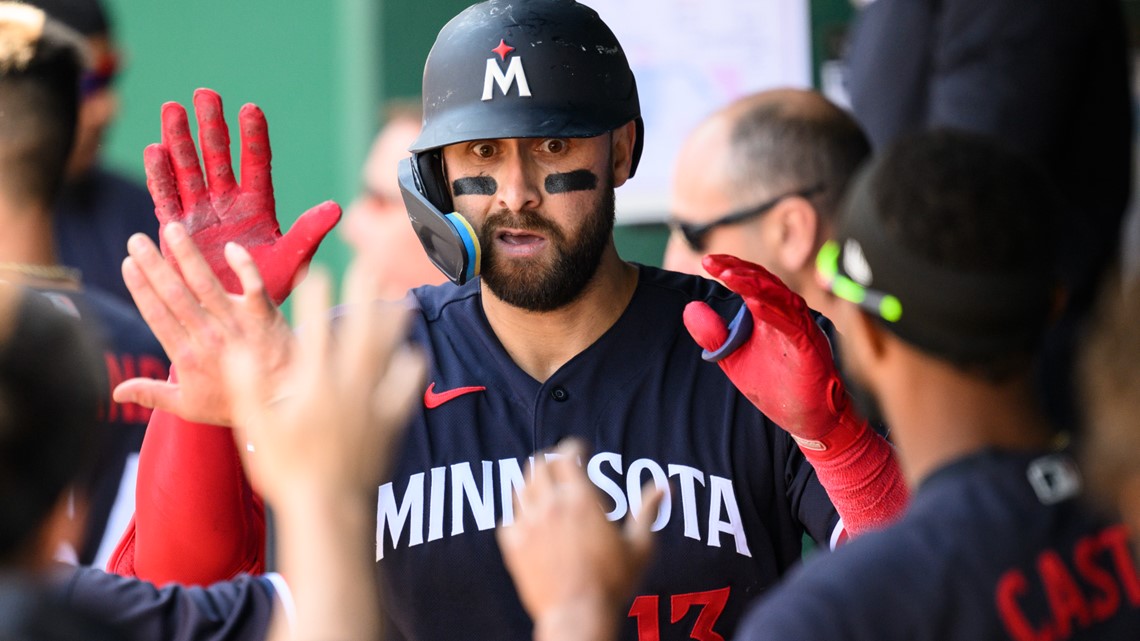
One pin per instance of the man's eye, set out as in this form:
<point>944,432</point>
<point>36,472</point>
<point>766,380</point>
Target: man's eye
<point>554,145</point>
<point>484,150</point>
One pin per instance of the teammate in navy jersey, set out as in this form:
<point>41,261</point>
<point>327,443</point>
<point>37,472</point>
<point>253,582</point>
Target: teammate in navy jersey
<point>36,132</point>
<point>129,348</point>
<point>941,251</point>
<point>531,121</point>
<point>63,445</point>
<point>943,313</point>
<point>98,208</point>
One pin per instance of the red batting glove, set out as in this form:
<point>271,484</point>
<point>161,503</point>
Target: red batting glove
<point>787,370</point>
<point>197,520</point>
<point>218,210</point>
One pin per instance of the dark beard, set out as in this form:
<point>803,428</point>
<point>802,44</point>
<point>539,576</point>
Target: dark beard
<point>539,287</point>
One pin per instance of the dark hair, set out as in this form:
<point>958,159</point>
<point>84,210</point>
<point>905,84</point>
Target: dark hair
<point>39,97</point>
<point>782,145</point>
<point>52,382</point>
<point>84,16</point>
<point>965,204</point>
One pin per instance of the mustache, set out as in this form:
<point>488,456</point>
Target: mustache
<point>526,219</point>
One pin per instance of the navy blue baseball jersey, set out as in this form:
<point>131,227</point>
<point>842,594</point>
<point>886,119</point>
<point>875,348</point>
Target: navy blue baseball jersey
<point>93,218</point>
<point>237,610</point>
<point>739,493</point>
<point>994,546</point>
<point>129,349</point>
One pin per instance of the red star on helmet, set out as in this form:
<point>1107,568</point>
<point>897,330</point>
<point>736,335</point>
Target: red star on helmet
<point>503,49</point>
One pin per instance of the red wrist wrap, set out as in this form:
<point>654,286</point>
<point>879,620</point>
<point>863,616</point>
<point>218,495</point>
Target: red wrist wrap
<point>197,520</point>
<point>858,469</point>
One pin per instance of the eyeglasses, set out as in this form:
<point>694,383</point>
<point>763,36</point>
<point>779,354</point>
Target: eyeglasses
<point>695,233</point>
<point>100,76</point>
<point>881,304</point>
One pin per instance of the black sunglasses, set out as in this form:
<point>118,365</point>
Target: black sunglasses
<point>695,233</point>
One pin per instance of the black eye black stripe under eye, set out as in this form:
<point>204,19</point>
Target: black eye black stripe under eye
<point>577,180</point>
<point>474,186</point>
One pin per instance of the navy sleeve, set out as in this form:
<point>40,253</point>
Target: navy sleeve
<point>237,610</point>
<point>1009,68</point>
<point>1000,67</point>
<point>888,68</point>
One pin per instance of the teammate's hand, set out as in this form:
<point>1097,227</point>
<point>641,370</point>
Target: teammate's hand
<point>327,424</point>
<point>572,568</point>
<point>786,366</point>
<point>319,438</point>
<point>217,210</point>
<point>197,322</point>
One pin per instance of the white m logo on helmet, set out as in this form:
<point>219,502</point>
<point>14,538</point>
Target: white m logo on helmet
<point>505,80</point>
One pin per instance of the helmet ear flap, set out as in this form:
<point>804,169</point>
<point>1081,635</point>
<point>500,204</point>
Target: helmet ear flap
<point>431,179</point>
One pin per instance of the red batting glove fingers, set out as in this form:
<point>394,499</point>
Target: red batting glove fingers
<point>256,156</point>
<point>214,139</point>
<point>161,184</point>
<point>184,160</point>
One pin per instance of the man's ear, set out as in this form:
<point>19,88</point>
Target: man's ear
<point>798,225</point>
<point>622,141</point>
<point>867,336</point>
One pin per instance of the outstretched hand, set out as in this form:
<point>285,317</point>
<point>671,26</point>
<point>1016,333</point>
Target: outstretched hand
<point>572,568</point>
<point>327,423</point>
<point>786,367</point>
<point>787,370</point>
<point>196,322</point>
<point>215,209</point>
<point>319,438</point>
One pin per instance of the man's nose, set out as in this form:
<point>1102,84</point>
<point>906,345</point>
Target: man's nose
<point>518,188</point>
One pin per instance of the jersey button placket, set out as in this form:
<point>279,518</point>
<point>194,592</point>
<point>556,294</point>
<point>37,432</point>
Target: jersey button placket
<point>559,394</point>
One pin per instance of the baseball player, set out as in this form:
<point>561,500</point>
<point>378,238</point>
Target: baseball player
<point>939,255</point>
<point>40,100</point>
<point>531,121</point>
<point>53,384</point>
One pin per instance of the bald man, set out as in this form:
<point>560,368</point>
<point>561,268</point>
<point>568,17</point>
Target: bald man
<point>761,179</point>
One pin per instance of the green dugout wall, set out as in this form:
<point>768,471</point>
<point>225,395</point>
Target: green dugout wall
<point>319,70</point>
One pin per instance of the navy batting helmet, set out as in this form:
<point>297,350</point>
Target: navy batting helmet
<point>526,69</point>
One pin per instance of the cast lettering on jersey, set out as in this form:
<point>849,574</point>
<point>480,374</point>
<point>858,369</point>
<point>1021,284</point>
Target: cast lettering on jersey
<point>405,518</point>
<point>740,495</point>
<point>995,545</point>
<point>1079,587</point>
